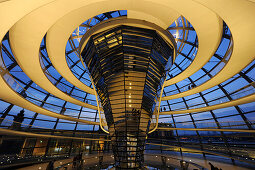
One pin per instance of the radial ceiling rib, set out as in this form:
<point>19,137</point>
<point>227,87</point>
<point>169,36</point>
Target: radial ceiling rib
<point>240,101</point>
<point>29,134</point>
<point>208,26</point>
<point>63,28</point>
<point>11,96</point>
<point>243,51</point>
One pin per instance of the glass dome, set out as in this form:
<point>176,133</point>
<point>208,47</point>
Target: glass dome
<point>207,109</point>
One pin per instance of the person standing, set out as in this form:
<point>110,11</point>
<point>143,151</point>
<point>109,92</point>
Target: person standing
<point>17,120</point>
<point>50,165</point>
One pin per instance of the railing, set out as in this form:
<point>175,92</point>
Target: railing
<point>23,127</point>
<point>170,161</point>
<point>242,92</point>
<point>211,125</point>
<point>151,161</point>
<point>9,161</point>
<point>242,151</point>
<point>80,164</point>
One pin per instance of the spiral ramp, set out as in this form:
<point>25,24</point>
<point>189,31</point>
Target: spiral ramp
<point>213,70</point>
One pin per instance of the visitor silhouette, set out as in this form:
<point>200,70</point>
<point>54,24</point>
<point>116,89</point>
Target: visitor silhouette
<point>17,120</point>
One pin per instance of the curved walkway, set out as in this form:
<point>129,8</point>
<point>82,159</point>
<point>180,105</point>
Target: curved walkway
<point>243,51</point>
